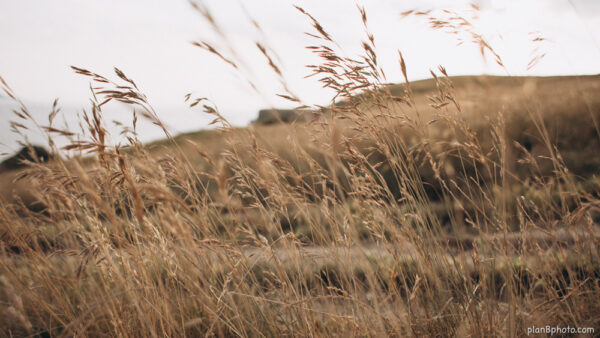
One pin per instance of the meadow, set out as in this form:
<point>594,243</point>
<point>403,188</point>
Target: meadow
<point>454,206</point>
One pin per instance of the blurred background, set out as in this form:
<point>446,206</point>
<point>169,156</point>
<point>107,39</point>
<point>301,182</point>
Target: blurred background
<point>150,40</point>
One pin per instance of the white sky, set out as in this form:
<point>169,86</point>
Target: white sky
<point>150,41</point>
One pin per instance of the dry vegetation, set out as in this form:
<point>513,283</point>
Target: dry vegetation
<point>449,207</point>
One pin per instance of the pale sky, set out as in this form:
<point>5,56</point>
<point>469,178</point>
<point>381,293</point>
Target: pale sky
<point>150,41</point>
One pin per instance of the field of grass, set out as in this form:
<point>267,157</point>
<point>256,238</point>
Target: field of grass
<point>456,206</point>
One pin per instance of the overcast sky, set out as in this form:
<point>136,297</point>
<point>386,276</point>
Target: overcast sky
<point>150,41</point>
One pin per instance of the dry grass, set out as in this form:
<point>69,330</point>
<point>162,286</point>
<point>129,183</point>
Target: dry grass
<point>449,207</point>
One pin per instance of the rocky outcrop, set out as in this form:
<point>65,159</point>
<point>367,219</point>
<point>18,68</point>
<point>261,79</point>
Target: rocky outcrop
<point>271,116</point>
<point>32,154</point>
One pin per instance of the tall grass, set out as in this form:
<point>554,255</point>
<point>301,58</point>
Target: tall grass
<point>384,215</point>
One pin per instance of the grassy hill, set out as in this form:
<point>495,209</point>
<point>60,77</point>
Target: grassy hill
<point>535,114</point>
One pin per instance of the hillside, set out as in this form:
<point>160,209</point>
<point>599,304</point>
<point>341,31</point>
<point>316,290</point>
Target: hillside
<point>568,105</point>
